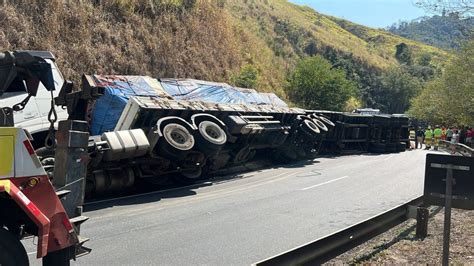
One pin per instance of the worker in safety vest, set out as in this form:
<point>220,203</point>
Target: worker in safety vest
<point>437,136</point>
<point>428,137</point>
<point>443,133</point>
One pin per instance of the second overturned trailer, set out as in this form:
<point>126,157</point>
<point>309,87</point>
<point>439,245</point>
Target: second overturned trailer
<point>357,132</point>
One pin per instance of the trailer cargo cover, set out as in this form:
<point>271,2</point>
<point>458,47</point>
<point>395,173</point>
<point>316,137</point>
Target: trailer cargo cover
<point>252,96</point>
<point>272,99</point>
<point>199,90</point>
<point>117,90</point>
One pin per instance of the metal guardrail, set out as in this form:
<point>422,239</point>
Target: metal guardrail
<point>459,148</point>
<point>328,247</point>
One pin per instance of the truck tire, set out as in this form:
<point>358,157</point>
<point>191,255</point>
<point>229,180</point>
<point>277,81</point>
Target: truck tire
<point>310,127</point>
<point>12,252</point>
<point>58,258</point>
<point>176,142</point>
<point>327,121</point>
<point>320,124</point>
<point>178,136</point>
<point>210,137</point>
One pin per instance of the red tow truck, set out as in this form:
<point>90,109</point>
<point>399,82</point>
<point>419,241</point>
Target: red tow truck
<point>32,204</point>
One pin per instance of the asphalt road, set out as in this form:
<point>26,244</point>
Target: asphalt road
<point>246,218</point>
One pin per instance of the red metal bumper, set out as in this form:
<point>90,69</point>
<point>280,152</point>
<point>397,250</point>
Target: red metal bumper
<point>43,207</point>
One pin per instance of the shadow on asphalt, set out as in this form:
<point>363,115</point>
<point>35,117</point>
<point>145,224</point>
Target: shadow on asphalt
<point>152,196</point>
<point>144,192</point>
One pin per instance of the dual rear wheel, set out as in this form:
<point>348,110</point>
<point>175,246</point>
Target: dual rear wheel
<point>178,141</point>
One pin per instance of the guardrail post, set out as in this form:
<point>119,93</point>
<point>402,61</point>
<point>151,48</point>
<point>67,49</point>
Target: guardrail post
<point>447,215</point>
<point>422,215</point>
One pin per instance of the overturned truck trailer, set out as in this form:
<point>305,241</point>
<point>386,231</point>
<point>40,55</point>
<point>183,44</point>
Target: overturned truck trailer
<point>357,133</point>
<point>183,129</point>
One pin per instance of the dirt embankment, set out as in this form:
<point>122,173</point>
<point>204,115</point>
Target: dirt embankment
<point>400,246</point>
<point>132,37</point>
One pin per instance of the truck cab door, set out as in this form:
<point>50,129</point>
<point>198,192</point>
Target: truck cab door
<point>28,118</point>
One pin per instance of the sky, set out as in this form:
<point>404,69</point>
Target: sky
<point>372,13</point>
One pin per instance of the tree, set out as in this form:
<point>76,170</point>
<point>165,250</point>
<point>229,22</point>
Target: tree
<point>396,90</point>
<point>450,99</point>
<point>246,78</point>
<point>426,104</point>
<point>459,85</point>
<point>314,84</point>
<point>403,54</point>
<point>464,7</point>
<point>424,60</point>
<point>352,104</point>
<point>446,31</point>
<point>312,48</point>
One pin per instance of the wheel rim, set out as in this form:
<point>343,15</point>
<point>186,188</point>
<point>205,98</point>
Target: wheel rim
<point>212,133</point>
<point>311,126</point>
<point>178,137</point>
<point>320,124</point>
<point>327,121</point>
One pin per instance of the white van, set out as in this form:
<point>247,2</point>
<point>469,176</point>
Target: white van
<point>34,117</point>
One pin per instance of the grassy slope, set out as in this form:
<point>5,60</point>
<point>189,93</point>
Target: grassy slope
<point>389,41</point>
<point>375,47</point>
<point>206,42</point>
<point>124,37</point>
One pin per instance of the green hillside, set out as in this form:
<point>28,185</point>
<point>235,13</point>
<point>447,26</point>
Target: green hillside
<point>220,40</point>
<point>282,33</point>
<point>447,31</point>
<point>290,28</point>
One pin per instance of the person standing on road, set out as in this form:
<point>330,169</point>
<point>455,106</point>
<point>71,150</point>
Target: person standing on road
<point>449,134</point>
<point>469,137</point>
<point>419,137</point>
<point>437,136</point>
<point>454,141</point>
<point>462,135</point>
<point>413,138</point>
<point>428,136</point>
<point>443,133</point>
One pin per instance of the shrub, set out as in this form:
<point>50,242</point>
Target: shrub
<point>314,84</point>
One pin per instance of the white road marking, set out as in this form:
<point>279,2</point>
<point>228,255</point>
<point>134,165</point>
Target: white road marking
<point>325,183</point>
<point>31,253</point>
<point>388,158</point>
